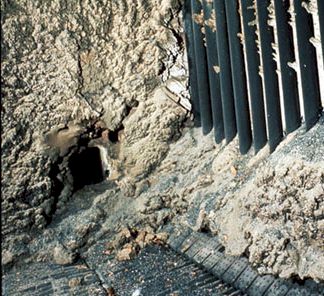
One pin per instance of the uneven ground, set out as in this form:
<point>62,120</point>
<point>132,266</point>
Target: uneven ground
<point>156,271</point>
<point>283,236</point>
<point>107,74</point>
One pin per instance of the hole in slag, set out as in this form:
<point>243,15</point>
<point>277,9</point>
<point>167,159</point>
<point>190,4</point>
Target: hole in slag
<point>86,167</point>
<point>114,135</point>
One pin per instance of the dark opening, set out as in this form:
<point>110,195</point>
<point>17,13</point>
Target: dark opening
<point>56,189</point>
<point>113,135</point>
<point>86,167</point>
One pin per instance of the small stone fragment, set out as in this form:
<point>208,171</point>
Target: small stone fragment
<point>140,239</point>
<point>62,256</point>
<point>233,171</point>
<point>127,253</point>
<point>161,238</point>
<point>6,257</point>
<point>149,238</point>
<point>123,237</point>
<point>74,282</point>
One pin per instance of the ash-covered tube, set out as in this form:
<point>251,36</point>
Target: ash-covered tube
<point>193,84</point>
<point>213,74</point>
<point>270,79</point>
<point>254,79</point>
<point>238,75</point>
<point>202,72</point>
<point>225,71</point>
<point>288,75</point>
<point>307,64</point>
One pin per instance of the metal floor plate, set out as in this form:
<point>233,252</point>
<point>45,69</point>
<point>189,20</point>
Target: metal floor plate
<point>235,271</point>
<point>194,265</point>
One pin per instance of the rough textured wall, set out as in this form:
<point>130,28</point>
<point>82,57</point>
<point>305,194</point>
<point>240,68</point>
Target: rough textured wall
<point>79,73</point>
<point>74,72</point>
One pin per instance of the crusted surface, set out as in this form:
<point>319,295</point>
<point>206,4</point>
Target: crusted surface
<point>66,66</point>
<point>86,70</point>
<point>279,217</point>
<point>269,208</point>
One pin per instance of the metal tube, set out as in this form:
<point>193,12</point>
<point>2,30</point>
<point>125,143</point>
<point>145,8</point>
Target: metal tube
<point>320,8</point>
<point>202,72</point>
<point>225,71</point>
<point>307,64</point>
<point>288,75</point>
<point>238,76</point>
<point>193,84</point>
<point>214,83</point>
<point>254,79</point>
<point>270,79</point>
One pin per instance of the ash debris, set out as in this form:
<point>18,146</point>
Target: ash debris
<point>112,75</point>
<point>67,68</point>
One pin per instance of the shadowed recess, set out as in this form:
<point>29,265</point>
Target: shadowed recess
<point>86,167</point>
